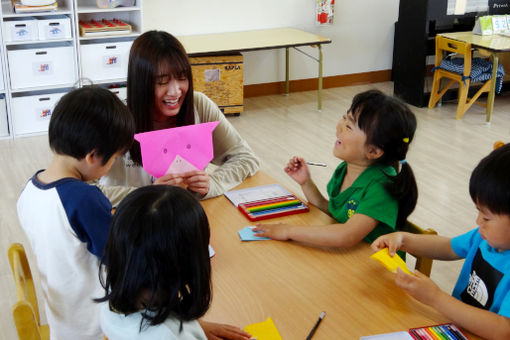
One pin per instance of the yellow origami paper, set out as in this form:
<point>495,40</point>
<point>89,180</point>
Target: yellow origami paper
<point>390,263</point>
<point>265,330</point>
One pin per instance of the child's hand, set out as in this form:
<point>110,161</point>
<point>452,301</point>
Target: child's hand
<point>419,286</point>
<point>218,331</point>
<point>298,170</point>
<point>170,179</point>
<point>197,181</point>
<point>274,231</point>
<point>391,241</point>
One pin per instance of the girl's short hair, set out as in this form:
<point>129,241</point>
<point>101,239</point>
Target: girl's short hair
<point>151,51</point>
<point>90,118</point>
<point>489,185</point>
<point>390,125</point>
<point>157,248</point>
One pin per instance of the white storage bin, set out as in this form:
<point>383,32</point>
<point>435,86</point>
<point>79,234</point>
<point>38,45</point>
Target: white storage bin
<point>41,67</point>
<point>105,61</point>
<point>58,27</point>
<point>2,85</point>
<point>121,92</point>
<point>31,114</point>
<point>4,126</point>
<point>21,30</point>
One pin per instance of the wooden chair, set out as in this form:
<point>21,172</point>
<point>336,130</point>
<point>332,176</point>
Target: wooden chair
<point>423,264</point>
<point>463,49</point>
<point>498,144</point>
<point>26,310</point>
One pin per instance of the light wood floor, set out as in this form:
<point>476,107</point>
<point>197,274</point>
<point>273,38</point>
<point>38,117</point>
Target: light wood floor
<point>443,154</point>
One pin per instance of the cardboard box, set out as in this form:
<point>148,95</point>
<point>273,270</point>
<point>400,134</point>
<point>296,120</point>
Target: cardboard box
<point>221,79</point>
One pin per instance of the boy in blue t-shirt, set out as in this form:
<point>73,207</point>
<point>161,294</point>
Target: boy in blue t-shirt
<point>481,297</point>
<point>67,220</point>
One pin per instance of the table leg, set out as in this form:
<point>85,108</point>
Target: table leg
<point>492,90</point>
<point>319,87</point>
<point>286,71</point>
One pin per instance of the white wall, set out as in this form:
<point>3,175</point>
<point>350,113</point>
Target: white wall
<point>362,34</point>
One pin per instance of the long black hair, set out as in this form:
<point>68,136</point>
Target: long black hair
<point>390,125</point>
<point>149,52</point>
<point>156,257</point>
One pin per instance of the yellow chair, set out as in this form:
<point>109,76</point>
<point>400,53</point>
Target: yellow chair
<point>423,264</point>
<point>498,144</point>
<point>26,310</point>
<point>463,49</point>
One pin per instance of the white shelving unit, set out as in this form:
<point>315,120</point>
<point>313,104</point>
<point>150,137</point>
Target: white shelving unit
<point>43,56</point>
<point>104,60</point>
<point>4,118</point>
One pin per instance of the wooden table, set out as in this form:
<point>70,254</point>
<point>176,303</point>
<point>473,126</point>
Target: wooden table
<point>493,44</point>
<point>292,283</point>
<point>234,42</point>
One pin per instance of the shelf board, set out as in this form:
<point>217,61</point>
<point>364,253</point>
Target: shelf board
<point>107,81</point>
<point>38,42</point>
<point>94,9</point>
<point>8,12</point>
<point>106,37</point>
<point>43,88</point>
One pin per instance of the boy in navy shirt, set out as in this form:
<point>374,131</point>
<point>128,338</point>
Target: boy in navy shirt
<point>67,220</point>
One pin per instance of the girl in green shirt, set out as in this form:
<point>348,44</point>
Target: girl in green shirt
<point>373,191</point>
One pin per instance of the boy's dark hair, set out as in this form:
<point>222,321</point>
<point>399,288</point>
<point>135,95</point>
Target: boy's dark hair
<point>390,125</point>
<point>90,118</point>
<point>158,245</point>
<point>489,185</point>
<point>149,52</point>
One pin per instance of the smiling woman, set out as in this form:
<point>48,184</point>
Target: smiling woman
<point>160,96</point>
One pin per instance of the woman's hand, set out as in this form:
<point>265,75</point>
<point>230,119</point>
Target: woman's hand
<point>298,170</point>
<point>278,232</point>
<point>218,331</point>
<point>197,181</point>
<point>170,179</point>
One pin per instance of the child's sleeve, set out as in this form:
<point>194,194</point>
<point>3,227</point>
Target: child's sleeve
<point>234,158</point>
<point>462,244</point>
<point>89,213</point>
<point>504,310</point>
<point>378,204</point>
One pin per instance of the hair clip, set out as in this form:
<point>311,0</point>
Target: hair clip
<point>404,161</point>
<point>406,140</point>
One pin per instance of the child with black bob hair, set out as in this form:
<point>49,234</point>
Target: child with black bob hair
<point>480,301</point>
<point>67,220</point>
<point>373,191</point>
<point>158,275</point>
<point>75,132</point>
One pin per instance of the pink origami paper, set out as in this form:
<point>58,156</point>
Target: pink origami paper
<point>193,143</point>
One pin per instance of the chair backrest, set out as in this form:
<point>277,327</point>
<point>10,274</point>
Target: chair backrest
<point>463,49</point>
<point>498,144</point>
<point>26,310</point>
<point>423,264</point>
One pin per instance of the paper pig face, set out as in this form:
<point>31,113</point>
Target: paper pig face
<point>192,143</point>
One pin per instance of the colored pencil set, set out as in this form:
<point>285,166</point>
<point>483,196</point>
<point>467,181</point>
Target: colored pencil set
<point>446,331</point>
<point>271,208</point>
